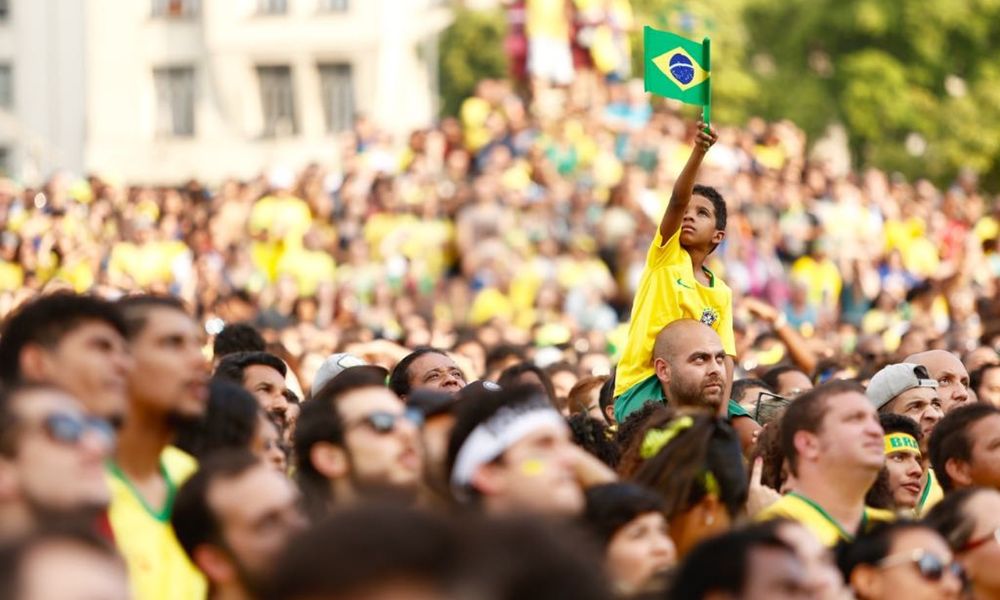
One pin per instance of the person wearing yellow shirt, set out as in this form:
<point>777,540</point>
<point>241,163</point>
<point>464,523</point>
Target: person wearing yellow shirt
<point>310,265</point>
<point>167,386</point>
<point>676,284</point>
<point>835,448</point>
<point>278,222</point>
<point>11,271</point>
<point>11,276</point>
<point>820,275</point>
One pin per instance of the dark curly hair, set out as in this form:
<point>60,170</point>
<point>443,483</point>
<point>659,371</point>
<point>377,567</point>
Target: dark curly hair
<point>718,203</point>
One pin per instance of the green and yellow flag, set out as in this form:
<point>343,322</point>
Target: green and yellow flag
<point>676,67</point>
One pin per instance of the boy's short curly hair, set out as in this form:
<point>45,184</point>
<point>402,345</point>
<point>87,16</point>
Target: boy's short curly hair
<point>718,203</point>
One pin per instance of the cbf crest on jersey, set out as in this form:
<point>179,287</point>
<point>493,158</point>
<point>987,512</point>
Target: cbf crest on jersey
<point>709,316</point>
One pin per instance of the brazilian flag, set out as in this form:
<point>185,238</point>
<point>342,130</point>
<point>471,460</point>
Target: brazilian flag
<point>677,67</point>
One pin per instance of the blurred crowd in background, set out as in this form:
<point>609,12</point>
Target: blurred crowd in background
<point>434,323</point>
<point>513,226</point>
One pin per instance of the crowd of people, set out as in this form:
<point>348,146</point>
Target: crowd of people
<point>567,344</point>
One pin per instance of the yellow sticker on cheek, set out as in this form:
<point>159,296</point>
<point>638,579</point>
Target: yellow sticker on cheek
<point>533,467</point>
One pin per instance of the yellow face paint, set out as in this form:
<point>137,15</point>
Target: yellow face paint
<point>533,467</point>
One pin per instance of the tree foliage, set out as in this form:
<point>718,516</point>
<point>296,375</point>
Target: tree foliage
<point>893,71</point>
<point>915,82</point>
<point>471,49</point>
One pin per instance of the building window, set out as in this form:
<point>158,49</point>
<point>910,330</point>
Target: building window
<point>272,7</point>
<point>334,5</point>
<point>175,8</point>
<point>337,88</point>
<point>6,86</point>
<point>277,100</point>
<point>174,101</point>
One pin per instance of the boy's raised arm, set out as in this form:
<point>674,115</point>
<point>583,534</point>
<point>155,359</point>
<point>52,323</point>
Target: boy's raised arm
<point>681,194</point>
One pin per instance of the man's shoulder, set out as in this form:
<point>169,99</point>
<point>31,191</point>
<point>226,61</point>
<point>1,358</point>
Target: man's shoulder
<point>635,397</point>
<point>669,252</point>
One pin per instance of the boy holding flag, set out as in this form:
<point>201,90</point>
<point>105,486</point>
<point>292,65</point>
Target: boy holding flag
<point>675,283</point>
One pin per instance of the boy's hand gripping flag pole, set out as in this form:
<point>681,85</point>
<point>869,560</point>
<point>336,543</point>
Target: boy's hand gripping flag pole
<point>678,68</point>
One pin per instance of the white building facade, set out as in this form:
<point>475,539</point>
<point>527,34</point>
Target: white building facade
<point>157,91</point>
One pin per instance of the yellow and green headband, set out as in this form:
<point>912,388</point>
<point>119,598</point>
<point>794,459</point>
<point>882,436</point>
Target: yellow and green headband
<point>656,439</point>
<point>901,442</point>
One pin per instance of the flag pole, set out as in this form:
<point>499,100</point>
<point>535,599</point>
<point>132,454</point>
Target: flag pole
<point>706,109</point>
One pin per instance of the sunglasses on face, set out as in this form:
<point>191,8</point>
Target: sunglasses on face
<point>69,430</point>
<point>385,422</point>
<point>973,544</point>
<point>930,566</point>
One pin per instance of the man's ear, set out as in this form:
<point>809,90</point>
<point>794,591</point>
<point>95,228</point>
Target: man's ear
<point>330,460</point>
<point>489,479</point>
<point>214,563</point>
<point>959,472</point>
<point>662,370</point>
<point>34,363</point>
<point>865,579</point>
<point>806,444</point>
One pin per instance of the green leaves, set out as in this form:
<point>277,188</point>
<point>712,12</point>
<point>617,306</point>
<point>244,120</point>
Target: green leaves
<point>471,49</point>
<point>916,82</point>
<point>917,71</point>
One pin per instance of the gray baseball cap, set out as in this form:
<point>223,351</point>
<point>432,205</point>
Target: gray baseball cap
<point>893,380</point>
<point>333,366</point>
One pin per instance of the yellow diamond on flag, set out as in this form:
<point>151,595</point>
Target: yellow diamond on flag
<point>681,68</point>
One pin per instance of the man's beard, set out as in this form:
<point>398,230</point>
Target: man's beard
<point>692,394</point>
<point>254,583</point>
<point>377,490</point>
<point>84,516</point>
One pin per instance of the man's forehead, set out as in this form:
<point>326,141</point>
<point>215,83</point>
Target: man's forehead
<point>918,393</point>
<point>95,327</point>
<point>942,363</point>
<point>703,343</point>
<point>987,426</point>
<point>364,400</point>
<point>268,489</point>
<point>162,321</point>
<point>848,403</point>
<point>263,372</point>
<point>432,361</point>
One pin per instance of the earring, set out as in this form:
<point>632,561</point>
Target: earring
<point>710,519</point>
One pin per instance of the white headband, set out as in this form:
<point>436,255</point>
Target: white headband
<point>494,436</point>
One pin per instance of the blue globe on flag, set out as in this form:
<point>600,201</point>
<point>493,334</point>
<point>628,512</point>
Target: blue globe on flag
<point>682,68</point>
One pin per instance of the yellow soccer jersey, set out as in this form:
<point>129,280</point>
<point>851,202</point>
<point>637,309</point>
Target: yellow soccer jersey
<point>157,565</point>
<point>931,495</point>
<point>811,515</point>
<point>668,291</point>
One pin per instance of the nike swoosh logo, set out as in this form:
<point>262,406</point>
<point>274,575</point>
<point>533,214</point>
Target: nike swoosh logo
<point>681,283</point>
